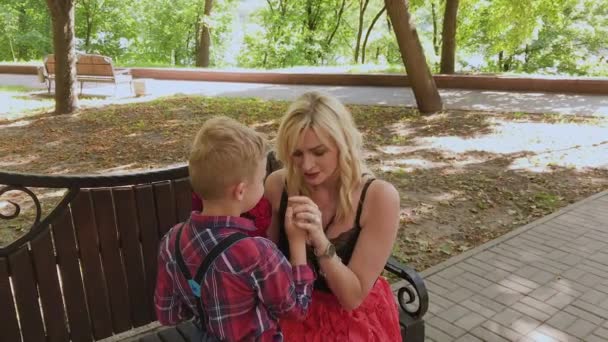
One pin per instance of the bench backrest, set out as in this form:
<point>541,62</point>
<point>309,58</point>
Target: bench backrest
<point>88,271</point>
<point>89,65</point>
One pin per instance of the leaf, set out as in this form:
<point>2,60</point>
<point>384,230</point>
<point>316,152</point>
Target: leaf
<point>446,248</point>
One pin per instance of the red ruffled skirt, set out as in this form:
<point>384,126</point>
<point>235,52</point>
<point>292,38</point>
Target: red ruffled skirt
<point>376,319</point>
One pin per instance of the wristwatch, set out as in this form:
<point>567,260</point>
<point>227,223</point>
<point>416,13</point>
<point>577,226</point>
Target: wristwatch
<point>330,251</point>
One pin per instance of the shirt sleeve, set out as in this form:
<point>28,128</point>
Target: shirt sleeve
<point>285,290</point>
<point>170,308</point>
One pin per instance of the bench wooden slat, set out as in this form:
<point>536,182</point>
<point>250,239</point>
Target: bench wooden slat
<point>26,296</point>
<point>9,327</point>
<point>110,257</point>
<point>165,207</point>
<point>148,224</point>
<point>45,265</point>
<point>183,198</point>
<point>131,250</point>
<point>73,290</point>
<point>95,288</point>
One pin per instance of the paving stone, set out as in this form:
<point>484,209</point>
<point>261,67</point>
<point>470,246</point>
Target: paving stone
<point>434,287</point>
<point>468,338</point>
<point>440,301</point>
<point>488,303</point>
<point>435,334</point>
<point>538,305</point>
<point>561,320</point>
<point>507,316</point>
<point>450,272</point>
<point>469,321</point>
<point>583,314</point>
<point>468,284</point>
<point>480,309</point>
<point>594,309</point>
<point>560,300</point>
<point>459,294</point>
<point>568,288</point>
<point>525,324</point>
<point>509,297</point>
<point>554,333</point>
<point>515,286</point>
<point>540,337</point>
<point>593,296</point>
<point>530,311</point>
<point>500,330</point>
<point>453,313</point>
<point>543,293</point>
<point>444,283</point>
<point>477,279</point>
<point>581,328</point>
<point>446,327</point>
<point>601,332</point>
<point>523,281</point>
<point>594,338</point>
<point>487,335</point>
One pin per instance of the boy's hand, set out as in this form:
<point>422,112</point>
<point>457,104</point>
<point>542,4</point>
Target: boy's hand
<point>294,233</point>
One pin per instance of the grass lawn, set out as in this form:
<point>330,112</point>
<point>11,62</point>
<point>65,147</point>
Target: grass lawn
<point>464,177</point>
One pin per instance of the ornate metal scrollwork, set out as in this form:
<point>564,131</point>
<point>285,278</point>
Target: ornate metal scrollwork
<point>17,207</point>
<point>417,302</point>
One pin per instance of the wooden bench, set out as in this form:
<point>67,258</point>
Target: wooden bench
<point>90,68</point>
<point>86,271</point>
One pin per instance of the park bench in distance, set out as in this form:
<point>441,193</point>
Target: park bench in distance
<point>89,68</point>
<point>87,270</point>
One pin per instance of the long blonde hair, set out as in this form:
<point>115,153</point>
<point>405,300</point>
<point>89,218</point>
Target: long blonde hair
<point>328,118</point>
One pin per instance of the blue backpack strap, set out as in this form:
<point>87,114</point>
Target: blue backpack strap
<point>195,283</point>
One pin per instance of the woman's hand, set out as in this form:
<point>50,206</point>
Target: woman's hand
<point>307,217</point>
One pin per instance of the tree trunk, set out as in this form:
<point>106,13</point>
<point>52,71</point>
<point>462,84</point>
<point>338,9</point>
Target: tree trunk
<point>418,73</point>
<point>448,46</point>
<point>66,98</point>
<point>434,19</point>
<point>362,8</point>
<point>202,59</point>
<point>369,31</point>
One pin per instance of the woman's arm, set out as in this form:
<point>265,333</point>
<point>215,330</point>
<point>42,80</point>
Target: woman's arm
<point>379,224</point>
<point>273,188</point>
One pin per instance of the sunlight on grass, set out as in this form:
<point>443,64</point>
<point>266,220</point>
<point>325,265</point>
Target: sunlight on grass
<point>543,146</point>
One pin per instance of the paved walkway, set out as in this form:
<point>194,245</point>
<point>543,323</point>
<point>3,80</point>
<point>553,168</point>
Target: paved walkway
<point>488,100</point>
<point>546,281</point>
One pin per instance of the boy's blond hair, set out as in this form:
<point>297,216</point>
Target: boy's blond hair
<point>224,153</point>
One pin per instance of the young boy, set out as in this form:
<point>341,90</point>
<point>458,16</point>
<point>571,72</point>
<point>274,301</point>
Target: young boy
<point>250,284</point>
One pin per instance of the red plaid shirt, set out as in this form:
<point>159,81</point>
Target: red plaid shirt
<point>244,292</point>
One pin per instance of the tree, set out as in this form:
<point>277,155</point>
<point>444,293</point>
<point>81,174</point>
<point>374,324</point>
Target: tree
<point>418,73</point>
<point>62,16</point>
<point>202,58</point>
<point>369,30</point>
<point>448,37</point>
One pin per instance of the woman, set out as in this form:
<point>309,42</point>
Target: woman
<point>351,219</point>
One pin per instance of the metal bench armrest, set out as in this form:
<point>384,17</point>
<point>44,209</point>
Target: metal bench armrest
<point>414,288</point>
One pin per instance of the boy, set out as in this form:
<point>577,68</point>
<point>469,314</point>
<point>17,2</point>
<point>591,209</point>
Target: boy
<point>250,284</point>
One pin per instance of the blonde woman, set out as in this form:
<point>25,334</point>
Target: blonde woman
<point>351,219</point>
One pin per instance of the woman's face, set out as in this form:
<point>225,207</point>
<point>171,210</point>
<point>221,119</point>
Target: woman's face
<point>316,159</point>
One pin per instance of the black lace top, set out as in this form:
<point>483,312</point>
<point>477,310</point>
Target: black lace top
<point>344,243</point>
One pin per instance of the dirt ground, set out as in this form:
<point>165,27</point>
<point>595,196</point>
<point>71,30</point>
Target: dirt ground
<point>464,177</point>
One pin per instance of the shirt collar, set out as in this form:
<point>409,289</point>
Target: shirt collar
<point>210,222</point>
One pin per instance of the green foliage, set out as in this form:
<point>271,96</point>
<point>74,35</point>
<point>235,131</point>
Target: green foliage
<point>514,36</point>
